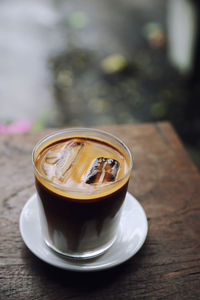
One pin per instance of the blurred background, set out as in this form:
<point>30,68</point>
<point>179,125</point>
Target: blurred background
<point>90,62</point>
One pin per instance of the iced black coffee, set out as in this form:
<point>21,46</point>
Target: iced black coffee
<point>81,180</point>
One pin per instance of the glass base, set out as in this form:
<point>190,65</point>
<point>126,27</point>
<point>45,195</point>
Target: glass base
<point>83,255</point>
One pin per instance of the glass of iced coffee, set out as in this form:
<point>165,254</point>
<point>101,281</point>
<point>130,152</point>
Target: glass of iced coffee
<point>81,178</point>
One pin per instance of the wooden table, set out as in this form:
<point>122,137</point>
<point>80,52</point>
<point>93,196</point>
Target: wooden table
<point>166,183</point>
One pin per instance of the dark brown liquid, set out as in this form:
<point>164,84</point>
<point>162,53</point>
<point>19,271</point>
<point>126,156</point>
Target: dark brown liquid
<point>68,216</point>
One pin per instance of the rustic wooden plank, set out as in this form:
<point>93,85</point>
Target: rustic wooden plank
<point>167,184</point>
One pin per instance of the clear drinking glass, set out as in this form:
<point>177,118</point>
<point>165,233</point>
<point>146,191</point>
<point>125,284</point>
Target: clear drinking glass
<point>80,222</point>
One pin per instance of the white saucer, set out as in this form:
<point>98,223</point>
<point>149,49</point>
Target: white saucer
<point>130,238</point>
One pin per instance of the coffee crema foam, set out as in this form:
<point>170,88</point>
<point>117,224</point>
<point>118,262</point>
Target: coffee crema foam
<point>67,163</point>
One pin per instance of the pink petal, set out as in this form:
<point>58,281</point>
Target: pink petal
<point>16,126</point>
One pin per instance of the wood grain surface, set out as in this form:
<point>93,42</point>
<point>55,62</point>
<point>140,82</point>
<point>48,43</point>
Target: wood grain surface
<point>166,183</point>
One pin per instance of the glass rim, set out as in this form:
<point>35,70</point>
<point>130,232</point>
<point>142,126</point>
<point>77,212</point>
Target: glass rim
<point>80,129</point>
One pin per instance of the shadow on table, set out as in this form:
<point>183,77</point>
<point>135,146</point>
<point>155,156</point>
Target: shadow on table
<point>83,281</point>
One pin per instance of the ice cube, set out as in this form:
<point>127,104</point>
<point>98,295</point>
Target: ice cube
<point>103,170</point>
<point>54,154</point>
<point>52,157</point>
<point>65,163</point>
